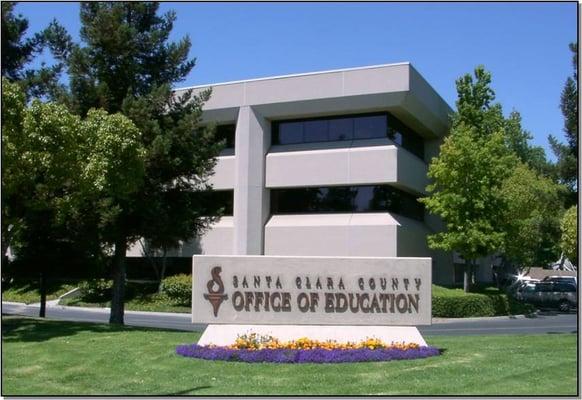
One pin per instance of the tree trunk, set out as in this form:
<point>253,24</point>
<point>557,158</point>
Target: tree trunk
<point>467,276</point>
<point>43,289</point>
<point>118,290</point>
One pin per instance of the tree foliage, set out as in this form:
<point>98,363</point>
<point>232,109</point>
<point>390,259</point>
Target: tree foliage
<point>488,183</point>
<point>467,176</point>
<point>569,228</point>
<point>126,63</point>
<point>64,177</point>
<point>18,52</point>
<point>475,107</point>
<point>567,154</point>
<point>532,212</point>
<point>518,141</point>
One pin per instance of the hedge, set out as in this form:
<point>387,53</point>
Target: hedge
<point>476,305</point>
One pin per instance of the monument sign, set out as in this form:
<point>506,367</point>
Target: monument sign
<point>303,292</point>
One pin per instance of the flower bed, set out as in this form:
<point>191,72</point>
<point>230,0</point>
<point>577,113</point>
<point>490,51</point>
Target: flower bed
<point>254,348</point>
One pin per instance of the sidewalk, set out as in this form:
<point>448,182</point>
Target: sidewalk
<point>181,321</point>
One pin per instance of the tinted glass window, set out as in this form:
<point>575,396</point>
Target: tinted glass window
<point>342,199</point>
<point>405,137</point>
<point>544,287</point>
<point>348,128</point>
<point>226,133</point>
<point>315,131</point>
<point>214,199</point>
<point>370,127</point>
<point>290,132</point>
<point>341,129</point>
<point>564,287</point>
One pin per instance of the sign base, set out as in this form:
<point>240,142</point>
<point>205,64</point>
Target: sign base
<point>225,335</point>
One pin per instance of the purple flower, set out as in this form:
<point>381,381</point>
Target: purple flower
<point>303,356</point>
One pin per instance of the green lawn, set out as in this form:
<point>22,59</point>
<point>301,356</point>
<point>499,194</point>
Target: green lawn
<point>64,358</point>
<point>27,292</point>
<point>146,302</point>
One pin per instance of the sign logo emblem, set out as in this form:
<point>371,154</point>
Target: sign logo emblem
<point>215,296</point>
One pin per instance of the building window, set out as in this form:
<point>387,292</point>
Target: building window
<point>349,127</point>
<point>213,199</point>
<point>224,132</point>
<point>346,199</point>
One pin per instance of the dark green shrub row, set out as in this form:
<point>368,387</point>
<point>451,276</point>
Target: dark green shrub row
<point>178,289</point>
<point>477,305</point>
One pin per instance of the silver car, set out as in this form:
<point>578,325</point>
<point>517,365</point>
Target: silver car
<point>561,295</point>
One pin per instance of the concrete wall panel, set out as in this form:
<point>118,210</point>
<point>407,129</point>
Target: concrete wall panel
<point>294,88</point>
<point>368,235</point>
<point>411,171</point>
<point>307,168</point>
<point>376,164</point>
<point>376,80</point>
<point>224,173</point>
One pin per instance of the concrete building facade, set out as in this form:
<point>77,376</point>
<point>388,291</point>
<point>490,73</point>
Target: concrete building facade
<point>326,164</point>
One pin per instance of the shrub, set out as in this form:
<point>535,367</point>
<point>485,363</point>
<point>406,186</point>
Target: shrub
<point>178,289</point>
<point>456,304</point>
<point>96,290</point>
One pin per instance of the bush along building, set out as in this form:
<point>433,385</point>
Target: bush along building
<point>326,164</point>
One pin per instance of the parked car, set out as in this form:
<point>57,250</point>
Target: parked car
<point>549,294</point>
<point>567,279</point>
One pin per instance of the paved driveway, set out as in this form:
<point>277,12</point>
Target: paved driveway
<point>547,322</point>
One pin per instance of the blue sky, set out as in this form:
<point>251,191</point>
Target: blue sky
<point>524,45</point>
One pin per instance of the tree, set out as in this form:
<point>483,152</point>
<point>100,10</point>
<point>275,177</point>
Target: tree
<point>467,175</point>
<point>63,176</point>
<point>567,154</point>
<point>474,104</point>
<point>569,228</point>
<point>517,140</point>
<point>18,52</point>
<point>126,64</point>
<point>532,213</point>
<point>473,162</point>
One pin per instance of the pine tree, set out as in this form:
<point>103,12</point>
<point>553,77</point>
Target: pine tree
<point>125,63</point>
<point>567,154</point>
<point>18,52</point>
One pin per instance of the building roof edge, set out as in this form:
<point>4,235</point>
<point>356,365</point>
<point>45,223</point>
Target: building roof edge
<point>292,75</point>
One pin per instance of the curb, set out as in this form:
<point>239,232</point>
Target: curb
<point>102,310</point>
<point>438,320</point>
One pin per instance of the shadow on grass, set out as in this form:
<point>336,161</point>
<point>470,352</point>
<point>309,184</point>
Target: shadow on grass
<point>187,391</point>
<point>22,329</point>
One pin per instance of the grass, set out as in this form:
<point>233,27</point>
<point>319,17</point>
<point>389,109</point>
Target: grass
<point>27,292</point>
<point>146,302</point>
<point>65,358</point>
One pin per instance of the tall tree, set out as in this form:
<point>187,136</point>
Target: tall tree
<point>518,141</point>
<point>532,211</point>
<point>61,172</point>
<point>468,174</point>
<point>18,52</point>
<point>567,154</point>
<point>569,239</point>
<point>475,107</point>
<point>126,63</point>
